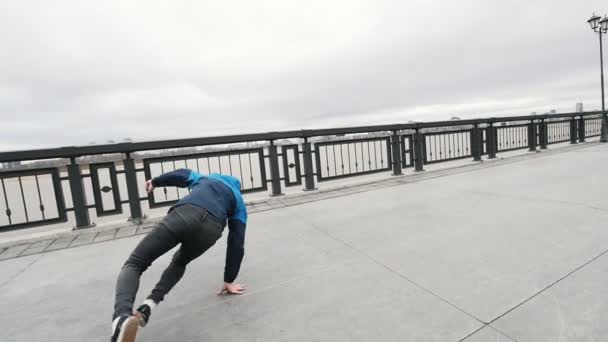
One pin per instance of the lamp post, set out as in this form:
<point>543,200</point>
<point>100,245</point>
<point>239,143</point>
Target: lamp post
<point>600,26</point>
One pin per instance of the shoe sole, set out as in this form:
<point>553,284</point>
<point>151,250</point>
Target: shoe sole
<point>129,330</point>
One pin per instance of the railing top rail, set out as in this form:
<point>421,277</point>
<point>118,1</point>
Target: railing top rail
<point>129,147</point>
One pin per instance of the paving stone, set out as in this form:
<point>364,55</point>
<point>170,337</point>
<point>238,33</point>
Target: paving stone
<point>84,238</point>
<point>13,251</point>
<point>125,231</point>
<point>37,247</point>
<point>105,235</point>
<point>61,243</point>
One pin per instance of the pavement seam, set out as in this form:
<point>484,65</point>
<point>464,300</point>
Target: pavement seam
<point>473,333</point>
<point>549,286</point>
<point>484,327</point>
<point>388,268</point>
<point>22,271</point>
<point>502,333</point>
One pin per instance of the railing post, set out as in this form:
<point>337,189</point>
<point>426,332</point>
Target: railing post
<point>418,151</point>
<point>573,132</point>
<point>396,147</point>
<point>581,129</point>
<point>476,141</point>
<point>491,142</point>
<point>132,190</point>
<point>532,136</point>
<point>81,212</point>
<point>274,169</point>
<point>309,180</point>
<point>543,134</point>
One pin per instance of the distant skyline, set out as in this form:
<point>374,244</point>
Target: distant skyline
<point>75,72</point>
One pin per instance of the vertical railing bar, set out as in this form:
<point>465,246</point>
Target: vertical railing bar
<point>176,188</point>
<point>451,139</point>
<point>369,157</point>
<point>460,147</point>
<point>219,163</point>
<point>162,171</point>
<point>350,167</point>
<point>8,209</point>
<point>379,146</point>
<point>230,163</point>
<point>448,141</point>
<point>432,142</point>
<point>438,143</point>
<point>443,138</point>
<point>356,159</point>
<point>363,155</point>
<point>250,170</point>
<point>375,156</point>
<point>341,158</point>
<point>439,147</point>
<point>27,219</point>
<point>241,172</point>
<point>326,148</point>
<point>40,197</point>
<point>333,148</point>
<point>376,145</point>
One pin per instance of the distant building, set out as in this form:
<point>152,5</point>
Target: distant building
<point>454,118</point>
<point>552,111</point>
<point>579,107</point>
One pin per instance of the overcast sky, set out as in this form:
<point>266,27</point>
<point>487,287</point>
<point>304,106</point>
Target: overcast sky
<point>73,72</point>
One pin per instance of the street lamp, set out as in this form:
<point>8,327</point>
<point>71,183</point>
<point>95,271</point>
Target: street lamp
<point>600,26</point>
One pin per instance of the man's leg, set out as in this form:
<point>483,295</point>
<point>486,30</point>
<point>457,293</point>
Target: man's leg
<point>158,242</point>
<point>199,239</point>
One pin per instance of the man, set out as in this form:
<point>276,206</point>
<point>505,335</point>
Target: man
<point>196,222</point>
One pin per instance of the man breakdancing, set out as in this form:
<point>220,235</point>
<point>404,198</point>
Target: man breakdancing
<point>196,222</point>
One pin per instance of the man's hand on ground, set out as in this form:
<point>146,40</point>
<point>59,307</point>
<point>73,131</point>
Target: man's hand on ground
<point>232,288</point>
<point>149,186</point>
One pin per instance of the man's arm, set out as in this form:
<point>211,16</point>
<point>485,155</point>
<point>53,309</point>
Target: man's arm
<point>234,256</point>
<point>180,178</point>
<point>235,250</point>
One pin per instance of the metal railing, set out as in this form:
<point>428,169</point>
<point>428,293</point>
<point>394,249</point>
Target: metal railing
<point>71,184</point>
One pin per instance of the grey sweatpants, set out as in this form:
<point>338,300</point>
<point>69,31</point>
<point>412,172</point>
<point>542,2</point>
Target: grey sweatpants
<point>188,225</point>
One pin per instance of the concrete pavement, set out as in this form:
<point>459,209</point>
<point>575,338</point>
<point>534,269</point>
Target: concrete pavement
<point>515,252</point>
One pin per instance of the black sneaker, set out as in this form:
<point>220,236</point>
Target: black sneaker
<point>143,314</point>
<point>124,329</point>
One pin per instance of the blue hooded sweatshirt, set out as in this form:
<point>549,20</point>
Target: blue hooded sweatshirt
<point>221,196</point>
